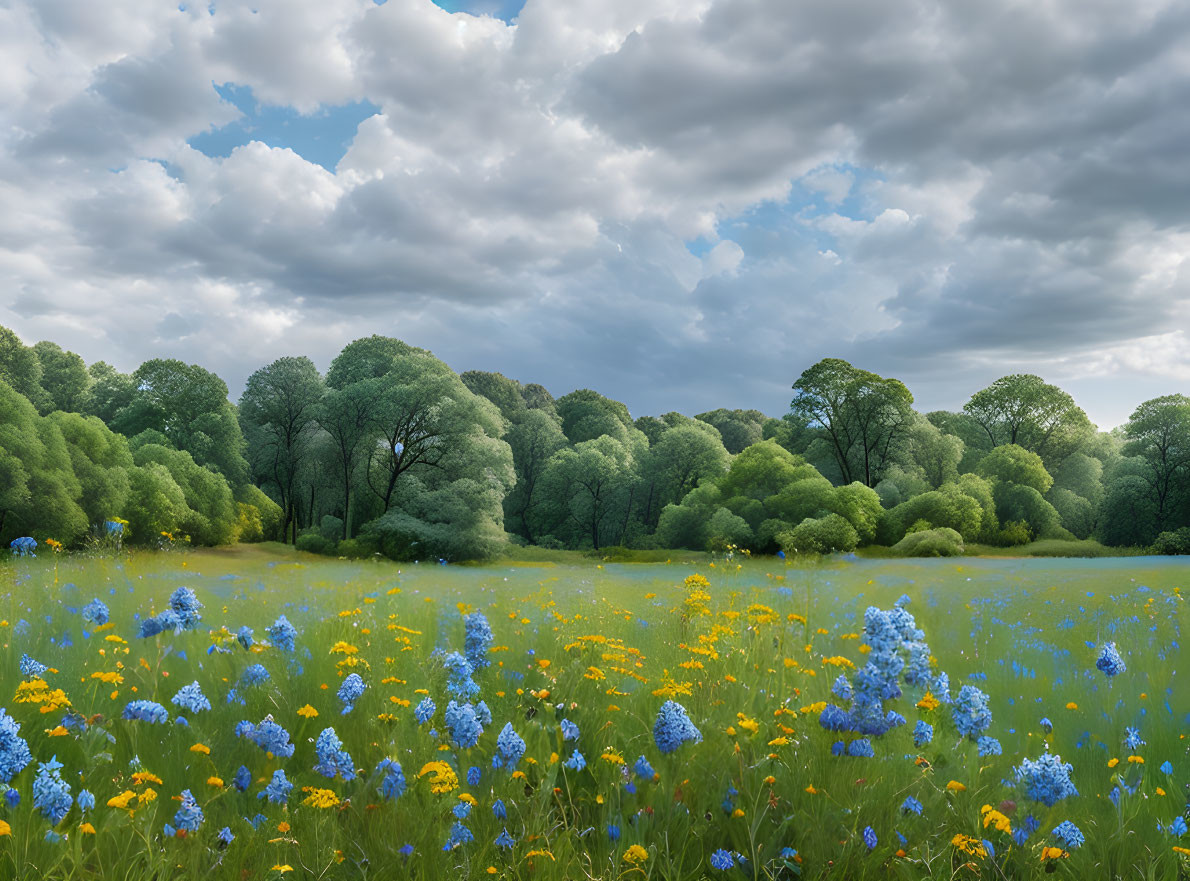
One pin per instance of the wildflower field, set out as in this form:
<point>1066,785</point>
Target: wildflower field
<point>207,716</point>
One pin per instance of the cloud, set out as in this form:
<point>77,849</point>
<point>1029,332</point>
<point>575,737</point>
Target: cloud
<point>933,192</point>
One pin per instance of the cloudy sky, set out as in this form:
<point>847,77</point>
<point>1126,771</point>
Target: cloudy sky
<point>680,203</point>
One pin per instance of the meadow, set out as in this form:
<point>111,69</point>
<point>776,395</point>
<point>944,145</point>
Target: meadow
<point>236,715</point>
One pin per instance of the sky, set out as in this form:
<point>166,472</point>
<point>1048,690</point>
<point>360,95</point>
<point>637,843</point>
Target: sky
<point>682,204</point>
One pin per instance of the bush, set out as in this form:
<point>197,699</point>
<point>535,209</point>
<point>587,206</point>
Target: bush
<point>940,542</point>
<point>1173,543</point>
<point>313,543</point>
<point>1011,534</point>
<point>356,548</point>
<point>726,529</point>
<point>819,536</point>
<point>248,526</point>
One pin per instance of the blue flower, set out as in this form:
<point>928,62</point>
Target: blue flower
<point>576,762</point>
<point>1110,661</point>
<point>1046,725</point>
<point>23,547</point>
<point>14,751</point>
<point>722,860</point>
<point>146,711</point>
<point>870,837</point>
<point>499,811</point>
<point>96,612</point>
<point>30,667</point>
<point>861,749</point>
<point>569,730</point>
<point>333,760</point>
<point>923,733</point>
<point>463,724</point>
<point>643,769</point>
<point>393,784</point>
<point>459,835</point>
<point>971,714</point>
<point>473,775</point>
<point>351,691</point>
<point>244,637</point>
<point>911,806</point>
<point>85,800</point>
<point>268,735</point>
<point>462,810</point>
<point>842,688</point>
<point>989,746</point>
<point>186,606</point>
<point>189,815</point>
<point>277,792</point>
<point>477,640</point>
<point>282,633</point>
<point>1069,834</point>
<point>225,836</point>
<point>1166,767</point>
<point>51,794</point>
<point>505,840</point>
<point>613,832</point>
<point>255,674</point>
<point>459,682</point>
<point>1178,827</point>
<point>510,748</point>
<point>424,711</point>
<point>1046,780</point>
<point>191,698</point>
<point>242,779</point>
<point>673,727</point>
<point>1132,739</point>
<point>835,718</point>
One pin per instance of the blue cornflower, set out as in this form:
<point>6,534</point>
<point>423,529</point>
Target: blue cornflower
<point>277,792</point>
<point>835,718</point>
<point>643,769</point>
<point>459,682</point>
<point>989,746</point>
<point>911,806</point>
<point>569,730</point>
<point>838,748</point>
<point>424,711</point>
<point>842,688</point>
<point>191,698</point>
<point>861,749</point>
<point>870,837</point>
<point>333,760</point>
<point>473,775</point>
<point>225,836</point>
<point>51,794</point>
<point>894,719</point>
<point>1021,833</point>
<point>268,735</point>
<point>1046,780</point>
<point>242,779</point>
<point>917,671</point>
<point>189,815</point>
<point>1110,661</point>
<point>499,811</point>
<point>1046,725</point>
<point>31,667</point>
<point>351,691</point>
<point>245,638</point>
<point>673,727</point>
<point>722,860</point>
<point>146,711</point>
<point>165,621</point>
<point>23,546</point>
<point>186,606</point>
<point>505,840</point>
<point>509,747</point>
<point>971,713</point>
<point>85,800</point>
<point>14,751</point>
<point>477,640</point>
<point>393,784</point>
<point>255,674</point>
<point>576,761</point>
<point>483,714</point>
<point>1178,827</point>
<point>459,835</point>
<point>1069,834</point>
<point>923,733</point>
<point>96,612</point>
<point>1166,767</point>
<point>1132,739</point>
<point>463,724</point>
<point>613,832</point>
<point>282,633</point>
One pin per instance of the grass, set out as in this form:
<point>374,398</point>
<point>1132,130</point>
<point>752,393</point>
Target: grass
<point>751,656</point>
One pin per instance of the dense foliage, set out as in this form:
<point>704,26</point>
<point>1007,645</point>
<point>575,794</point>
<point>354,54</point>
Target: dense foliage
<point>392,452</point>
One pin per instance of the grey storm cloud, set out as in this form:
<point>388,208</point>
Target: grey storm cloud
<point>997,186</point>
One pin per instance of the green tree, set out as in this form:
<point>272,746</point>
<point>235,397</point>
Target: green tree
<point>156,504</point>
<point>505,393</point>
<point>1014,464</point>
<point>1158,435</point>
<point>1023,409</point>
<point>211,515</point>
<point>281,402</point>
<point>101,462</point>
<point>345,416</point>
<point>681,458</point>
<point>533,441</point>
<point>860,414</point>
<point>590,489</point>
<point>64,378</point>
<point>20,367</point>
<point>738,428</point>
<point>108,393</point>
<point>587,415</point>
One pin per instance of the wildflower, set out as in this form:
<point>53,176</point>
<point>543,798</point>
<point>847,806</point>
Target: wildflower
<point>477,640</point>
<point>225,837</point>
<point>244,637</point>
<point>1132,739</point>
<point>673,727</point>
<point>31,667</point>
<point>189,815</point>
<point>282,633</point>
<point>635,854</point>
<point>861,748</point>
<point>459,835</point>
<point>643,769</point>
<point>96,612</point>
<point>911,806</point>
<point>278,789</point>
<point>955,786</point>
<point>255,674</point>
<point>463,724</point>
<point>569,730</point>
<point>459,682</point>
<point>1046,725</point>
<point>442,777</point>
<point>1046,780</point>
<point>320,798</point>
<point>333,760</point>
<point>870,837</point>
<point>1110,661</point>
<point>392,786</point>
<point>1178,827</point>
<point>186,607</point>
<point>351,691</point>
<point>51,794</point>
<point>424,711</point>
<point>505,840</point>
<point>1166,767</point>
<point>14,751</point>
<point>923,733</point>
<point>268,735</point>
<point>971,714</point>
<point>969,845</point>
<point>576,762</point>
<point>989,746</point>
<point>191,698</point>
<point>722,860</point>
<point>473,776</point>
<point>146,711</point>
<point>307,712</point>
<point>1069,834</point>
<point>992,817</point>
<point>510,748</point>
<point>835,718</point>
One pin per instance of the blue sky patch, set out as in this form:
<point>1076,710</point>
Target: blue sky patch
<point>505,10</point>
<point>321,137</point>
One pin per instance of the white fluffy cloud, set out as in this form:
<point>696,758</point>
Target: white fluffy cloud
<point>972,188</point>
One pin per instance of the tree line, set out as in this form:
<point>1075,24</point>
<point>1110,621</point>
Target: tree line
<point>392,452</point>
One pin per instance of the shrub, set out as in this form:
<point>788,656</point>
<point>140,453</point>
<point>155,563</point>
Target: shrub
<point>356,548</point>
<point>940,542</point>
<point>313,543</point>
<point>819,536</point>
<point>1173,542</point>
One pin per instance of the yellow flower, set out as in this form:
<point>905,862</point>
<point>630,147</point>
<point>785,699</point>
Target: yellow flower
<point>635,854</point>
<point>201,748</point>
<point>539,853</point>
<point>1070,706</point>
<point>1185,851</point>
<point>738,812</point>
<point>142,777</point>
<point>955,786</point>
<point>320,798</point>
<point>215,781</point>
<point>307,711</point>
<point>5,829</point>
<point>992,817</point>
<point>282,868</point>
<point>929,702</point>
<point>1111,763</point>
<point>1160,791</point>
<point>969,845</point>
<point>442,777</point>
<point>1136,760</point>
<point>810,789</point>
<point>122,800</point>
<point>85,828</point>
<point>1052,853</point>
